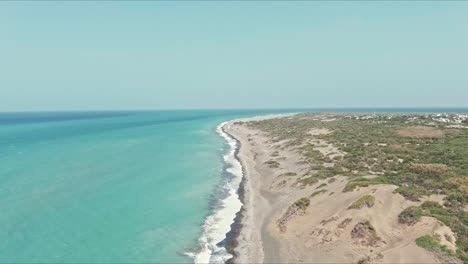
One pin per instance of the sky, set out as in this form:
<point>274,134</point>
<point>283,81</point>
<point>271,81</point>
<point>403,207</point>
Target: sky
<point>134,55</point>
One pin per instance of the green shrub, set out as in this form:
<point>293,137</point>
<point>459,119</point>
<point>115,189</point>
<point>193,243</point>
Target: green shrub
<point>432,243</point>
<point>412,193</point>
<point>456,200</point>
<point>410,215</point>
<point>321,185</point>
<point>365,232</point>
<point>364,260</point>
<point>309,180</point>
<point>272,164</point>
<point>302,203</point>
<point>364,182</point>
<point>289,174</point>
<point>456,220</point>
<point>366,200</point>
<point>317,193</point>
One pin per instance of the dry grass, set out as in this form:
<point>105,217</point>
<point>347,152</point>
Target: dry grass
<point>461,183</point>
<point>421,132</point>
<point>433,170</point>
<point>345,223</point>
<point>402,149</point>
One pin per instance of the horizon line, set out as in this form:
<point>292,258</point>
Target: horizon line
<point>238,109</point>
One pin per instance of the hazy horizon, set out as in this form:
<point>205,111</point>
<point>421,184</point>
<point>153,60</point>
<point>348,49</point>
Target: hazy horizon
<point>421,109</point>
<point>120,56</point>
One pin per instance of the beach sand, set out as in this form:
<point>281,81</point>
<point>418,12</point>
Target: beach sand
<point>321,234</point>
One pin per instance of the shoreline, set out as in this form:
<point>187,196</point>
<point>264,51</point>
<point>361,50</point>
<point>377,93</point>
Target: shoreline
<point>219,225</point>
<point>232,237</point>
<point>241,226</point>
<point>246,244</point>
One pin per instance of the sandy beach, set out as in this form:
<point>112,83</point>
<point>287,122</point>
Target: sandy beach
<point>252,237</point>
<point>326,231</point>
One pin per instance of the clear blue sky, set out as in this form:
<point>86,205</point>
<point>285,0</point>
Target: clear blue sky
<point>179,55</point>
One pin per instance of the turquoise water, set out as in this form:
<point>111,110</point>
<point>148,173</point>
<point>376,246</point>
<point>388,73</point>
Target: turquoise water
<point>110,186</point>
<point>107,187</point>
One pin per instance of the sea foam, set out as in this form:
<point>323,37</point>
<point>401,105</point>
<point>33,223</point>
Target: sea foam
<point>218,224</point>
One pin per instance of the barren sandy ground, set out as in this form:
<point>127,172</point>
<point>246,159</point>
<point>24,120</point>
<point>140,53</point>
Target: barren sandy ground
<point>321,234</point>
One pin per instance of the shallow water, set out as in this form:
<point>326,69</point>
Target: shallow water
<point>109,186</point>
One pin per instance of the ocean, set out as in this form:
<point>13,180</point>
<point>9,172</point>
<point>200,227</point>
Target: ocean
<point>118,187</point>
<point>107,187</point>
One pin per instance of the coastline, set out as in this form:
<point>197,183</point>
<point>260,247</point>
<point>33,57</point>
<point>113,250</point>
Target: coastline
<point>219,226</point>
<point>246,245</point>
<point>264,232</point>
<point>227,230</point>
<point>241,247</point>
<point>232,237</point>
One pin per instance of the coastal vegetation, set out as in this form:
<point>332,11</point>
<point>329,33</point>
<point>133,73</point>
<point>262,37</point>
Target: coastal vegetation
<point>432,243</point>
<point>297,208</point>
<point>366,200</point>
<point>308,181</point>
<point>289,174</point>
<point>457,220</point>
<point>273,164</point>
<point>421,154</point>
<point>410,215</point>
<point>364,182</point>
<point>321,186</point>
<point>412,193</point>
<point>317,193</point>
<point>302,203</point>
<point>365,233</point>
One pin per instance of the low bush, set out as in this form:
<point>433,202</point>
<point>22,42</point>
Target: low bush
<point>302,203</point>
<point>289,174</point>
<point>317,193</point>
<point>364,182</point>
<point>366,233</point>
<point>430,170</point>
<point>366,200</point>
<point>410,215</point>
<point>460,183</point>
<point>456,200</point>
<point>412,193</point>
<point>309,180</point>
<point>432,243</point>
<point>321,185</point>
<point>272,164</point>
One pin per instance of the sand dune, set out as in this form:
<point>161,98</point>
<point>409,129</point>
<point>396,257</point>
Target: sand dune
<point>327,231</point>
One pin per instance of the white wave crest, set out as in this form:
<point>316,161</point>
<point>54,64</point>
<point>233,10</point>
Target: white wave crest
<point>218,224</point>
